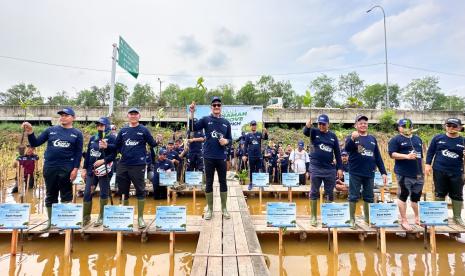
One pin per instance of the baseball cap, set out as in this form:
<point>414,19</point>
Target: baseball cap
<point>66,110</point>
<point>253,122</point>
<point>162,151</point>
<point>323,118</point>
<point>361,117</point>
<point>216,99</point>
<point>454,121</point>
<point>170,142</point>
<point>405,122</point>
<point>103,121</point>
<point>301,143</point>
<point>133,109</point>
<point>344,152</point>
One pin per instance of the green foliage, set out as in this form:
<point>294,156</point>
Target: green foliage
<point>142,95</point>
<point>87,98</point>
<point>21,93</point>
<point>353,102</point>
<point>387,121</point>
<point>61,98</point>
<point>423,94</point>
<point>350,85</point>
<point>324,91</point>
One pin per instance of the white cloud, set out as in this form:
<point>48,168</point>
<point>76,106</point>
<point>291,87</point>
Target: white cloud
<point>329,55</point>
<point>407,28</point>
<point>189,46</point>
<point>224,36</point>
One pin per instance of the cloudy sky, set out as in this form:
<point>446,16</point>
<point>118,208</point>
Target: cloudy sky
<point>230,41</point>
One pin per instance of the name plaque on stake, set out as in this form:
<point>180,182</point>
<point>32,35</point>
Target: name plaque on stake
<point>67,215</point>
<point>193,178</point>
<point>335,215</point>
<point>290,179</point>
<point>171,218</point>
<point>378,181</point>
<point>433,212</point>
<point>167,178</point>
<point>383,215</point>
<point>118,218</point>
<point>260,179</point>
<point>281,214</point>
<point>14,215</point>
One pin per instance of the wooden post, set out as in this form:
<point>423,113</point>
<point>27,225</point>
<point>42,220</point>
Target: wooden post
<point>172,240</point>
<point>168,191</point>
<point>335,244</point>
<point>14,242</point>
<point>432,237</point>
<point>289,194</point>
<point>260,195</point>
<point>119,243</point>
<point>67,242</point>
<point>382,193</point>
<point>280,250</point>
<point>321,194</point>
<point>382,232</point>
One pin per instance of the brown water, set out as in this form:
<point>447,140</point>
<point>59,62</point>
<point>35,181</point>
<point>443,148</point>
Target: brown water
<point>96,256</point>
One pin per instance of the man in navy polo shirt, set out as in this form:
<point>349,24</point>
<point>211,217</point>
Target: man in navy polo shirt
<point>163,164</point>
<point>448,150</point>
<point>325,149</point>
<point>253,149</point>
<point>218,136</point>
<point>62,157</point>
<point>364,157</point>
<point>194,155</point>
<point>406,149</point>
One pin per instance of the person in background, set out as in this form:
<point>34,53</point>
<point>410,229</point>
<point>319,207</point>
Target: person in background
<point>253,150</point>
<point>299,162</point>
<point>241,165</point>
<point>163,164</point>
<point>445,153</point>
<point>341,184</point>
<point>194,155</point>
<point>29,162</point>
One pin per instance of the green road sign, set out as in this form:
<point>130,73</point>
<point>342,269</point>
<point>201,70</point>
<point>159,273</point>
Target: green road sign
<point>127,58</point>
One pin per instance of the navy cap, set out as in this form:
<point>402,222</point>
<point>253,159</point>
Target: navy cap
<point>454,121</point>
<point>133,109</point>
<point>66,110</point>
<point>344,152</point>
<point>253,122</point>
<point>104,121</point>
<point>216,99</point>
<point>162,151</point>
<point>301,143</point>
<point>405,122</point>
<point>323,118</point>
<point>242,142</point>
<point>170,142</point>
<point>361,117</point>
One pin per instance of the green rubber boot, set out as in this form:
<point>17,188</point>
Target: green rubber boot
<point>314,210</point>
<point>209,212</point>
<point>86,210</point>
<point>49,222</point>
<point>352,207</point>
<point>99,221</point>
<point>140,213</point>
<point>366,212</point>
<point>439,198</point>
<point>125,202</point>
<point>224,200</point>
<point>457,212</point>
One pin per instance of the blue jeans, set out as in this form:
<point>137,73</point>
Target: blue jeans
<point>361,182</point>
<point>103,181</point>
<point>329,184</point>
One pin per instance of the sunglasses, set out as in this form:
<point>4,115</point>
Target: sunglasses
<point>452,125</point>
<point>321,124</point>
<point>216,105</point>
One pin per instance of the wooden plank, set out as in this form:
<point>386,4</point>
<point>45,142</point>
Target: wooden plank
<point>199,266</point>
<point>244,263</point>
<point>215,264</point>
<point>229,247</point>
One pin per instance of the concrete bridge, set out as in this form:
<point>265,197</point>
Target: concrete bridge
<point>176,114</point>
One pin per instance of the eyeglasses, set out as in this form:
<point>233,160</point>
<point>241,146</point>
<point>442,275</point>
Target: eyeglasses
<point>216,105</point>
<point>452,125</point>
<point>321,124</point>
<point>99,124</point>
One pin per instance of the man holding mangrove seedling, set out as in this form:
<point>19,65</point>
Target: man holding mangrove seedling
<point>364,157</point>
<point>217,137</point>
<point>406,149</point>
<point>131,143</point>
<point>447,150</point>
<point>253,149</point>
<point>62,157</point>
<point>97,169</point>
<point>324,149</point>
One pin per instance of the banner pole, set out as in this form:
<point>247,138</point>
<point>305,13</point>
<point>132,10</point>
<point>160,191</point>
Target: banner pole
<point>112,80</point>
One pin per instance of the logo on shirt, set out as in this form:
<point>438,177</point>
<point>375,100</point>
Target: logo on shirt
<point>130,142</point>
<point>449,154</point>
<point>61,144</point>
<point>140,133</point>
<point>217,135</point>
<point>124,133</point>
<point>326,148</point>
<point>73,135</point>
<point>366,152</point>
<point>441,142</point>
<point>95,153</point>
<point>53,133</point>
<point>460,146</point>
<point>254,142</point>
<point>403,143</point>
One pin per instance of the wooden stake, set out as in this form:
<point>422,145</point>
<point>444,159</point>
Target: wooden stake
<point>382,232</point>
<point>119,243</point>
<point>289,194</point>
<point>168,191</point>
<point>172,240</point>
<point>432,238</point>
<point>280,250</point>
<point>335,243</point>
<point>14,242</point>
<point>321,194</point>
<point>382,193</point>
<point>260,195</point>
<point>67,242</point>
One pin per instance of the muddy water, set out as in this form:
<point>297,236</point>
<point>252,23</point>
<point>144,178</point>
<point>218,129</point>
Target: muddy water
<point>95,256</point>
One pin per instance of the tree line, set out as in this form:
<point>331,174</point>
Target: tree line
<point>348,91</point>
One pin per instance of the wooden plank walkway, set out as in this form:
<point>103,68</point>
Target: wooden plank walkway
<point>229,247</point>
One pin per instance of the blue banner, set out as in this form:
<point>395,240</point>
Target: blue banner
<point>281,214</point>
<point>194,178</point>
<point>290,179</point>
<point>383,215</point>
<point>335,215</point>
<point>167,178</point>
<point>14,215</point>
<point>118,218</point>
<point>433,212</point>
<point>67,215</point>
<point>171,218</point>
<point>260,179</point>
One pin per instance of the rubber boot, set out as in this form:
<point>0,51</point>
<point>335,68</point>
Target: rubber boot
<point>352,207</point>
<point>366,211</point>
<point>457,212</point>
<point>140,213</point>
<point>125,202</point>
<point>209,212</point>
<point>87,209</point>
<point>99,221</point>
<point>313,206</point>
<point>49,222</point>
<point>439,198</point>
<point>224,200</point>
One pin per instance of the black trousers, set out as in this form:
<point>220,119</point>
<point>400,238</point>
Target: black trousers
<point>127,174</point>
<point>446,183</point>
<point>210,166</point>
<point>195,162</point>
<point>255,164</point>
<point>57,182</point>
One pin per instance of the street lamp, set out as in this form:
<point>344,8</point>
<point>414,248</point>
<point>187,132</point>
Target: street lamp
<point>385,52</point>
